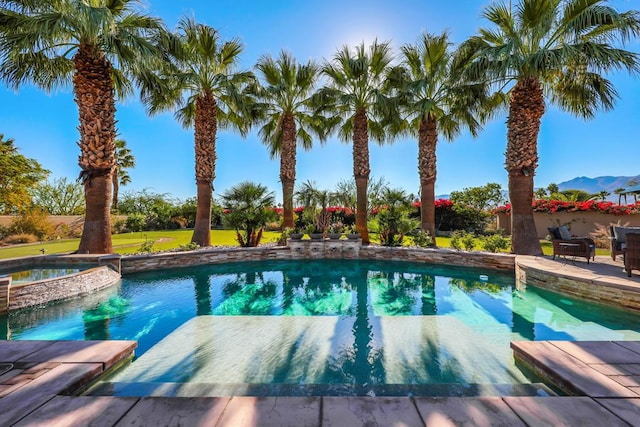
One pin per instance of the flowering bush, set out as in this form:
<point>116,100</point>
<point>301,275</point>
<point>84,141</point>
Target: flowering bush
<point>552,206</point>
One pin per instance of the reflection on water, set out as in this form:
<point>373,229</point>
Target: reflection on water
<point>344,324</point>
<point>37,274</point>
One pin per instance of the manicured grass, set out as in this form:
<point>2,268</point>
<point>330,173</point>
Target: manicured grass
<point>130,243</point>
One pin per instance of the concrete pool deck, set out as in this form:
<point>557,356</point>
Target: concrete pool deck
<point>40,380</point>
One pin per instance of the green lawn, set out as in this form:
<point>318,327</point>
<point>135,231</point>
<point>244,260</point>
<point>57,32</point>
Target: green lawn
<point>129,243</point>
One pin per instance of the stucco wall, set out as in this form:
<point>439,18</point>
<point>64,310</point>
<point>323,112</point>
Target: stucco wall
<point>580,223</point>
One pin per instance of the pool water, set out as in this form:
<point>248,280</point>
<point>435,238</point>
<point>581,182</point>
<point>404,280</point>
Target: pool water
<point>322,327</point>
<point>40,273</point>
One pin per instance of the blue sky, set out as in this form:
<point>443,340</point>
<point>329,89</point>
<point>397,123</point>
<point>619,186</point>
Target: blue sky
<point>44,125</point>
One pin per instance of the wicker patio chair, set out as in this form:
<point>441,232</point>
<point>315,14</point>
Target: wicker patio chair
<point>632,253</point>
<point>571,246</point>
<point>617,238</point>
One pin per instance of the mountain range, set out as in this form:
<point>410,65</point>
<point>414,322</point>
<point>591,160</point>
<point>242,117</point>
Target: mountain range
<point>598,184</point>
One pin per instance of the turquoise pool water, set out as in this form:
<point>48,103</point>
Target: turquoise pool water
<point>322,327</point>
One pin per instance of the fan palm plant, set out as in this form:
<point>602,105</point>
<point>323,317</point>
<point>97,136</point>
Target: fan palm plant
<point>436,102</point>
<point>287,117</point>
<point>248,208</point>
<point>554,51</point>
<point>357,102</point>
<point>124,161</point>
<point>198,82</point>
<point>99,47</point>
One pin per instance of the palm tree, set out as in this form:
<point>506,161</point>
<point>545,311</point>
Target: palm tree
<point>124,161</point>
<point>555,51</point>
<point>287,117</point>
<point>249,209</point>
<point>436,102</point>
<point>97,46</point>
<point>199,84</point>
<point>620,192</point>
<point>356,98</point>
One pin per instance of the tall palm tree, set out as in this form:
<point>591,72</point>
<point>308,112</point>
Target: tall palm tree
<point>199,84</point>
<point>287,117</point>
<point>356,98</point>
<point>97,46</point>
<point>120,176</point>
<point>436,102</point>
<point>554,51</point>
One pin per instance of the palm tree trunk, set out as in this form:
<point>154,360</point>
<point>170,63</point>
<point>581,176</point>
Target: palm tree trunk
<point>94,95</point>
<point>361,171</point>
<point>206,126</point>
<point>427,142</point>
<point>114,181</point>
<point>525,111</point>
<point>288,168</point>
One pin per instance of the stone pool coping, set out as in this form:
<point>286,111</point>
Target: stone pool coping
<point>45,377</point>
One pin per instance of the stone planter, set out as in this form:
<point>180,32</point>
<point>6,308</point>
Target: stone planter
<point>315,236</point>
<point>334,236</point>
<point>296,236</point>
<point>353,236</point>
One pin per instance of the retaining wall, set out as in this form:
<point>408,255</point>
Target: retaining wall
<point>323,249</point>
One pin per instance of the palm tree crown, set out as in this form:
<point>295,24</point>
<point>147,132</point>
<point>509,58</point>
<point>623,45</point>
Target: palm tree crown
<point>547,50</point>
<point>99,47</point>
<point>287,117</point>
<point>198,83</point>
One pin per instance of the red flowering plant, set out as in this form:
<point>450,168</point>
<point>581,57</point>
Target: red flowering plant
<point>551,206</point>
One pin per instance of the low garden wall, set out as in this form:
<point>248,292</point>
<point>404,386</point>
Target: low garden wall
<point>580,223</point>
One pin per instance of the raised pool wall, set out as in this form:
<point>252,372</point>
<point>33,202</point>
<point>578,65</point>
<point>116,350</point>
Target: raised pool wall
<point>323,249</point>
<point>16,296</point>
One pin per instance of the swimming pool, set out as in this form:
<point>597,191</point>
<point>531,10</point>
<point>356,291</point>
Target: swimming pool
<point>322,327</point>
<point>36,273</point>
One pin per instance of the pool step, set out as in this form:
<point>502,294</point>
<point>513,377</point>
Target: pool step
<point>216,390</point>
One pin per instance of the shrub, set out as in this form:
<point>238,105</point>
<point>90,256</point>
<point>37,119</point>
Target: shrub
<point>33,221</point>
<point>4,232</point>
<point>16,239</point>
<point>495,243</point>
<point>422,238</point>
<point>135,222</point>
<point>461,239</point>
<point>147,246</point>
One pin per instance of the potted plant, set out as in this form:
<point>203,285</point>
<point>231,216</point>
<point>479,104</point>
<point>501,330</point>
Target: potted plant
<point>352,233</point>
<point>313,232</point>
<point>295,233</point>
<point>335,231</point>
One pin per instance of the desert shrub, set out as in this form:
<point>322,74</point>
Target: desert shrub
<point>462,240</point>
<point>4,232</point>
<point>422,238</point>
<point>135,222</point>
<point>66,231</point>
<point>192,246</point>
<point>33,221</point>
<point>495,243</point>
<point>601,234</point>
<point>119,226</point>
<point>15,239</point>
<point>147,246</point>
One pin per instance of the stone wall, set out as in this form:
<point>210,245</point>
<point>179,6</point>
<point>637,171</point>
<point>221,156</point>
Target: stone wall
<point>61,288</point>
<point>322,249</point>
<point>580,223</point>
<point>618,295</point>
<point>5,284</point>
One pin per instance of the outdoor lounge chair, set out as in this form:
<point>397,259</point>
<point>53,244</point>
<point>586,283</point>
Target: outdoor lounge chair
<point>617,238</point>
<point>566,245</point>
<point>632,253</point>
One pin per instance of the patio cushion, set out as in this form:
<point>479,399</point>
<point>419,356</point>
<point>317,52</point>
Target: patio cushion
<point>620,233</point>
<point>553,232</point>
<point>565,234</point>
